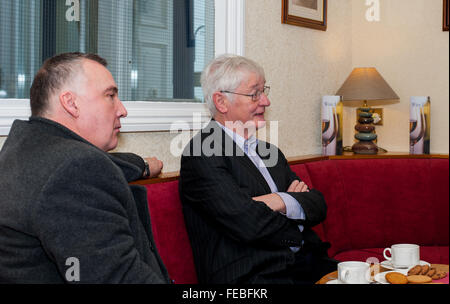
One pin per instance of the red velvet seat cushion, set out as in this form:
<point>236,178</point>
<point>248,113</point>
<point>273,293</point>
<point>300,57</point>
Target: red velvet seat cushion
<point>169,231</point>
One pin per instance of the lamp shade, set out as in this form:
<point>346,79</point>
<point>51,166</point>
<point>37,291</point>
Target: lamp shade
<point>366,84</point>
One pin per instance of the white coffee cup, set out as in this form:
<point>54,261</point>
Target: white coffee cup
<point>354,272</point>
<point>403,255</point>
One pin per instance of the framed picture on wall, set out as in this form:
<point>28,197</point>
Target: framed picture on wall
<point>306,13</point>
<point>445,17</point>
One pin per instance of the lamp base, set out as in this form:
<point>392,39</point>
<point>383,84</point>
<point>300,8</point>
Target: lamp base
<point>365,147</point>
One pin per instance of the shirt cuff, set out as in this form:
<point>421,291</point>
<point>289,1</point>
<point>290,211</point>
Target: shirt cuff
<point>293,209</point>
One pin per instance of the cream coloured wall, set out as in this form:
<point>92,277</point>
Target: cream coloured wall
<point>407,46</point>
<point>301,66</point>
<point>149,144</point>
<point>410,50</point>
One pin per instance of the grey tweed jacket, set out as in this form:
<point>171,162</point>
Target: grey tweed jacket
<point>67,212</point>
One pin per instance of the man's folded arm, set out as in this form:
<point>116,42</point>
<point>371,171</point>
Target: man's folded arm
<point>212,191</point>
<point>313,205</point>
<point>312,202</point>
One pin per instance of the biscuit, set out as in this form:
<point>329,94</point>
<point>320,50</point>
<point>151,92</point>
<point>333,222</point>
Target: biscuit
<point>415,270</point>
<point>396,278</point>
<point>419,279</point>
<point>431,272</point>
<point>439,275</point>
<point>425,269</point>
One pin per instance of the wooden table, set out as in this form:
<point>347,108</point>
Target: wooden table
<point>334,275</point>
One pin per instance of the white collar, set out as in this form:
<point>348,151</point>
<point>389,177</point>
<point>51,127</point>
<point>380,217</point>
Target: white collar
<point>251,142</point>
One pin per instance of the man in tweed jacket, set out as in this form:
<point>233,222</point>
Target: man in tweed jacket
<point>248,216</point>
<point>67,212</point>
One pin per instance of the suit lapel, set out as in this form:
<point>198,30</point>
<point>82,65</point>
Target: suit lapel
<point>274,173</point>
<point>274,169</point>
<point>247,162</point>
<point>238,154</point>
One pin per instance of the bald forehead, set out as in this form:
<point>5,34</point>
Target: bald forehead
<point>94,74</point>
<point>252,79</point>
<point>87,65</point>
<point>92,70</point>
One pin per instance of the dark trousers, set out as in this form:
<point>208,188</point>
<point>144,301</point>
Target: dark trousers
<point>311,264</point>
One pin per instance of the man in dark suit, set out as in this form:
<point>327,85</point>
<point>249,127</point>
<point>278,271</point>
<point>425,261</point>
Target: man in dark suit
<point>67,212</point>
<point>249,217</point>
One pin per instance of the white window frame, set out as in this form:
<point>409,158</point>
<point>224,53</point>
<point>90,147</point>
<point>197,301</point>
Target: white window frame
<point>146,116</point>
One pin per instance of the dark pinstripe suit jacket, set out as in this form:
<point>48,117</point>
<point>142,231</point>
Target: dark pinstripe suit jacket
<point>234,238</point>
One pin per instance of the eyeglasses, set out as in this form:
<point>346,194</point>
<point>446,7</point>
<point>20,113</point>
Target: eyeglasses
<point>255,97</point>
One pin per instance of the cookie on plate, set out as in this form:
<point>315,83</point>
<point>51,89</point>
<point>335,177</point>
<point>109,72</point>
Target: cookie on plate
<point>419,279</point>
<point>439,275</point>
<point>431,272</point>
<point>396,278</point>
<point>425,269</point>
<point>415,270</point>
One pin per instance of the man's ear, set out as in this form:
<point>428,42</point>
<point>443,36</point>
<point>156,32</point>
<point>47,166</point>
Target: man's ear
<point>68,101</point>
<point>220,102</point>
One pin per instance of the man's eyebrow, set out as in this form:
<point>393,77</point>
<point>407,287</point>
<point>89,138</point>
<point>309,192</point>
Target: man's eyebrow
<point>114,89</point>
<point>257,83</point>
<point>255,86</point>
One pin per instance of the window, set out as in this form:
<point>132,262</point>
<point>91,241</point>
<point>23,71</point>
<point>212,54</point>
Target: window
<point>154,47</point>
<point>156,50</point>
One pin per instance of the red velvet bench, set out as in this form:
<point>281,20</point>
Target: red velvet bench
<point>373,202</point>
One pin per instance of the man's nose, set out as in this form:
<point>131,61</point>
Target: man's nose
<point>122,111</point>
<point>264,100</point>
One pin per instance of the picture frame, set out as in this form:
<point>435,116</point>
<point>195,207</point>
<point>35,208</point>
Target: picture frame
<point>445,16</point>
<point>305,13</point>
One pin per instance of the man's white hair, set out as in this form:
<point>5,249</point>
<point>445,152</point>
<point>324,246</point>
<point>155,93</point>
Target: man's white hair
<point>226,73</point>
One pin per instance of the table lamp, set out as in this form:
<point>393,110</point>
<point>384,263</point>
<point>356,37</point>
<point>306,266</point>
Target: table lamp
<point>365,84</point>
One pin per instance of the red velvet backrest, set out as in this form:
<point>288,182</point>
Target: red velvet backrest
<point>379,202</point>
<point>169,231</point>
<point>440,200</point>
<point>302,172</point>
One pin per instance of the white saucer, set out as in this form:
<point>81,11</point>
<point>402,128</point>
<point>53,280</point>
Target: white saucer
<point>388,265</point>
<point>381,277</point>
<point>336,281</point>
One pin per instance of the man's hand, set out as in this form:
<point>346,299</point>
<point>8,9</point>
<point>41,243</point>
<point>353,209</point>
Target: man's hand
<point>298,186</point>
<point>273,201</point>
<point>155,166</point>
